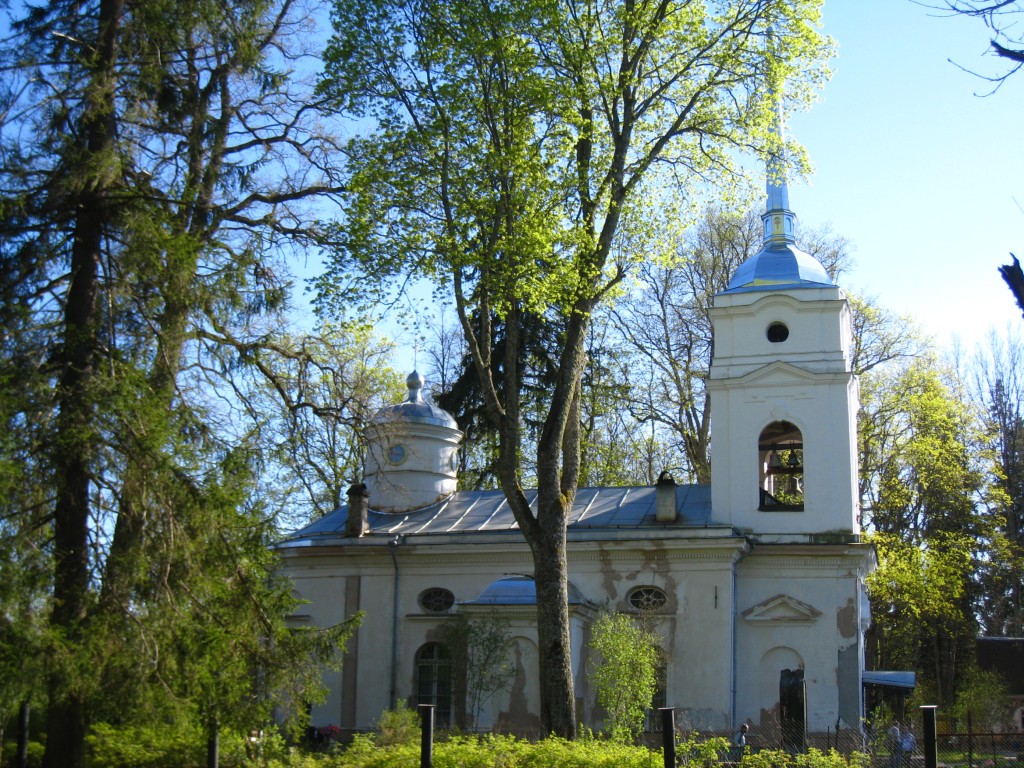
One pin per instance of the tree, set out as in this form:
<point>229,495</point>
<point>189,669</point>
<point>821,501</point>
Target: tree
<point>927,494</point>
<point>1000,16</point>
<point>624,672</point>
<point>998,387</point>
<point>510,153</point>
<point>665,321</point>
<point>312,397</point>
<point>481,667</point>
<point>155,160</point>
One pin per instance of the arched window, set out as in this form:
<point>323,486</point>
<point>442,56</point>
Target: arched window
<point>781,451</point>
<point>434,681</point>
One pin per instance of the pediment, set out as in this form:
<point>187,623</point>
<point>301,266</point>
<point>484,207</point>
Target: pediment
<point>779,372</point>
<point>781,609</point>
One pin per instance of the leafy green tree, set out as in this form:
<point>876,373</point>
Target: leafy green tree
<point>156,158</point>
<point>926,479</point>
<point>524,157</point>
<point>623,672</point>
<point>234,663</point>
<point>981,702</point>
<point>310,397</point>
<point>479,646</point>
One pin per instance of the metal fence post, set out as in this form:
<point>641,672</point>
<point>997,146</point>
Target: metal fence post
<point>970,741</point>
<point>931,751</point>
<point>427,735</point>
<point>668,735</point>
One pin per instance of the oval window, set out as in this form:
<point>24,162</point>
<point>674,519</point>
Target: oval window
<point>646,599</point>
<point>436,600</point>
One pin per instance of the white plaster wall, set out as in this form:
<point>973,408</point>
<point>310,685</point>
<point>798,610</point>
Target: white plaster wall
<point>821,578</point>
<point>805,380</point>
<point>818,320</point>
<point>698,623</point>
<point>427,472</point>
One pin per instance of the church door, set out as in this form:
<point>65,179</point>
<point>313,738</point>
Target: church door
<point>792,709</point>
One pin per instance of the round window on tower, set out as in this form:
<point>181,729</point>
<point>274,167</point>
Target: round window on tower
<point>647,599</point>
<point>777,332</point>
<point>396,454</point>
<point>436,600</point>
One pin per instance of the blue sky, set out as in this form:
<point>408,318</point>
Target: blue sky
<point>919,171</point>
<point>922,174</point>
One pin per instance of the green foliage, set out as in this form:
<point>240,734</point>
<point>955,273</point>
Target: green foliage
<point>623,672</point>
<point>144,746</point>
<point>509,752</point>
<point>702,751</point>
<point>157,160</point>
<point>927,481</point>
<point>503,752</point>
<point>399,726</point>
<point>479,646</point>
<point>983,701</point>
<point>171,746</point>
<point>320,391</point>
<point>812,758</point>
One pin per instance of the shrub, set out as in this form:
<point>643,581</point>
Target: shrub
<point>623,672</point>
<point>398,726</point>
<point>146,746</point>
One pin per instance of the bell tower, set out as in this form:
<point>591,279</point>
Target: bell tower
<point>784,398</point>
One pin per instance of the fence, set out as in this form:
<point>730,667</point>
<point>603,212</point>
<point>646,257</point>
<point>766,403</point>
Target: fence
<point>981,750</point>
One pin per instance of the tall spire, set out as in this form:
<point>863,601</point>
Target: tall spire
<point>779,263</point>
<point>778,219</point>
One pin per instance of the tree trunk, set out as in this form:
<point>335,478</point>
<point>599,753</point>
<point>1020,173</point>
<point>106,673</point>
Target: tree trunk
<point>212,743</point>
<point>75,440</point>
<point>548,544</point>
<point>21,756</point>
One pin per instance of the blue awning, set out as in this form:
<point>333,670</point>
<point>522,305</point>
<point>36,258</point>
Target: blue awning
<point>891,679</point>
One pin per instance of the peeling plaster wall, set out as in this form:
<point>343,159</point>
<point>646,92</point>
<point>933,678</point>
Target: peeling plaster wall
<point>699,625</point>
<point>818,621</point>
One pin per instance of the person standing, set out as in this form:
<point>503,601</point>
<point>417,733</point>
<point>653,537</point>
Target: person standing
<point>908,743</point>
<point>894,740</point>
<point>740,739</point>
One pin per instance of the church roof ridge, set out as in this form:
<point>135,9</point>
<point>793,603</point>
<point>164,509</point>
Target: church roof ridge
<point>603,508</point>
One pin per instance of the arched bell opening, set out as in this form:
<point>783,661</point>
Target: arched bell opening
<point>781,454</point>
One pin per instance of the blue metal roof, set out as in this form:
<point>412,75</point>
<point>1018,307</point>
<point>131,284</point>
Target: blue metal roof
<point>779,265</point>
<point>893,679</point>
<point>517,590</point>
<point>414,408</point>
<point>488,511</point>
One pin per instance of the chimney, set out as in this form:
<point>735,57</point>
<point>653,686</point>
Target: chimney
<point>357,523</point>
<point>665,498</point>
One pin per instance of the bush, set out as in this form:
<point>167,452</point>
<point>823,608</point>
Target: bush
<point>397,726</point>
<point>145,746</point>
<point>502,752</point>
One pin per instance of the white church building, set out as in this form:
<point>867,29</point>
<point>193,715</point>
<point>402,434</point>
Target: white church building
<point>755,584</point>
